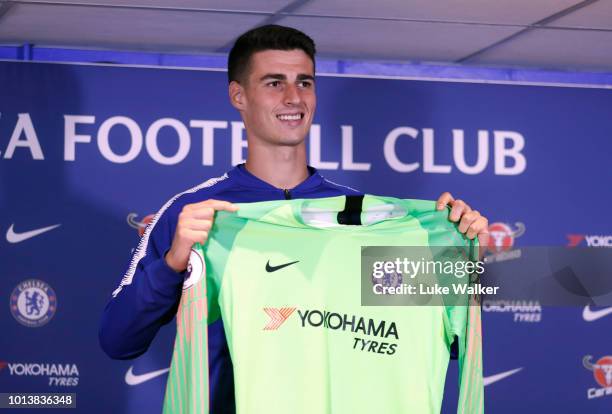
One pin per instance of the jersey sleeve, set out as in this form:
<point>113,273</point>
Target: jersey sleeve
<point>187,389</point>
<point>464,324</point>
<point>188,386</point>
<point>471,387</point>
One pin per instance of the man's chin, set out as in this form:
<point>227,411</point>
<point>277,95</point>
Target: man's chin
<point>291,142</point>
<point>291,139</point>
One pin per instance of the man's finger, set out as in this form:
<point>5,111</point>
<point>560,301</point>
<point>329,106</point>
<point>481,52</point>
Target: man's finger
<point>215,204</point>
<point>202,212</point>
<point>483,242</point>
<point>471,233</point>
<point>445,199</point>
<point>226,206</point>
<point>198,224</point>
<point>483,238</point>
<point>458,210</point>
<point>195,236</point>
<point>478,226</point>
<point>467,220</point>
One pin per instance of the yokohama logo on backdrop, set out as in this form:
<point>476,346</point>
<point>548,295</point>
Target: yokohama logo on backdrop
<point>58,375</point>
<point>592,240</point>
<point>521,310</point>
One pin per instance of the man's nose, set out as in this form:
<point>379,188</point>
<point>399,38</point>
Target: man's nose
<point>292,95</point>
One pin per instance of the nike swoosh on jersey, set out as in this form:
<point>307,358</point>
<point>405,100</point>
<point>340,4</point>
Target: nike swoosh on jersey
<point>592,315</point>
<point>132,379</point>
<point>271,269</point>
<point>13,237</point>
<point>498,377</point>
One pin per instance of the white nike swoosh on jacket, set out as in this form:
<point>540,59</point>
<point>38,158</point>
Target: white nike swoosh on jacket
<point>132,379</point>
<point>13,237</point>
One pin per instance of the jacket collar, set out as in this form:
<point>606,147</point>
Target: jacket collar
<point>244,177</point>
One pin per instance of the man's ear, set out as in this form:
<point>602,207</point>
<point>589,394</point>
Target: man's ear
<point>236,95</point>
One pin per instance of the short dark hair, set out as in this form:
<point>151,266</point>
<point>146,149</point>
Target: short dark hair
<point>268,37</point>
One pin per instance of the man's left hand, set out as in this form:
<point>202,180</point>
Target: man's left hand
<point>471,222</point>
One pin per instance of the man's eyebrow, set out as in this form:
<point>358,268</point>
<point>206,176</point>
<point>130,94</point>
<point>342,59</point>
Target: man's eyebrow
<point>303,76</point>
<point>277,76</point>
<point>280,76</point>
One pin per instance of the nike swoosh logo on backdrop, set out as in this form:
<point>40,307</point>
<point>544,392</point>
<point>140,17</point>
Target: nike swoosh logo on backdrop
<point>271,269</point>
<point>13,237</point>
<point>132,379</point>
<point>592,315</point>
<point>498,377</point>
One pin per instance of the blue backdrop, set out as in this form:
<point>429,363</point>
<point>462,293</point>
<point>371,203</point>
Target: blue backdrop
<point>85,147</point>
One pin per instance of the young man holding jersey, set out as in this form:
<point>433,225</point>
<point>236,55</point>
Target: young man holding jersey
<point>271,83</point>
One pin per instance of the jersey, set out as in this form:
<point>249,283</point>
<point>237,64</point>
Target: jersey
<point>149,292</point>
<point>285,279</point>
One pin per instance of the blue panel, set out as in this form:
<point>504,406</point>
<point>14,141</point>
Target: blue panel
<point>378,68</point>
<point>70,55</point>
<point>548,169</point>
<point>9,52</point>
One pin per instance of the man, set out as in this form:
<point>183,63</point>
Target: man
<point>271,83</point>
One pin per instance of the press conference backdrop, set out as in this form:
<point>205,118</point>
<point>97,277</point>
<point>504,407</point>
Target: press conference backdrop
<point>89,153</point>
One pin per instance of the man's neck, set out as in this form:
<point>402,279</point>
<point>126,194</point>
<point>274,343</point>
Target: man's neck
<point>283,168</point>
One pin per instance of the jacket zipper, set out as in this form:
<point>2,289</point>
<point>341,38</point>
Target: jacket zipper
<point>287,194</point>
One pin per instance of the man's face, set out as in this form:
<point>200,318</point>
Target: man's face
<point>279,97</point>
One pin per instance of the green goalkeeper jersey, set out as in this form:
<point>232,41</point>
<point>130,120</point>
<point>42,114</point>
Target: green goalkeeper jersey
<point>285,278</point>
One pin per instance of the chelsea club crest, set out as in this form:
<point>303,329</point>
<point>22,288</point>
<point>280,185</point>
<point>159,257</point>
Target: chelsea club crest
<point>33,303</point>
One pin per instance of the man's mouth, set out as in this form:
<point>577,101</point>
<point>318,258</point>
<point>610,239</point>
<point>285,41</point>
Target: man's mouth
<point>290,117</point>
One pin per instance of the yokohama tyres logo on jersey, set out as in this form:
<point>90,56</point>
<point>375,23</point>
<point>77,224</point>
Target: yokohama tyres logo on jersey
<point>278,316</point>
<point>358,325</point>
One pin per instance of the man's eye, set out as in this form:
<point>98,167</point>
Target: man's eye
<point>274,84</point>
<point>305,84</point>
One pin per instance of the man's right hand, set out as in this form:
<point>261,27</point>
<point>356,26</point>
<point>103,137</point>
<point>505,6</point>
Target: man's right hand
<point>194,223</point>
